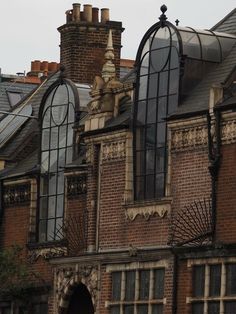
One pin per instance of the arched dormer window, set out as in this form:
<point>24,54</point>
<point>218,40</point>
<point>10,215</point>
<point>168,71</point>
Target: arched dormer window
<point>57,119</point>
<point>156,96</point>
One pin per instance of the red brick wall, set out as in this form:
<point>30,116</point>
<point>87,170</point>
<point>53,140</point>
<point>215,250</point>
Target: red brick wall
<point>83,48</point>
<point>226,196</point>
<point>184,287</point>
<point>115,231</point>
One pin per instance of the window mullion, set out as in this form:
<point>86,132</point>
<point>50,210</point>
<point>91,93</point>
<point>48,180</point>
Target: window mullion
<point>222,288</point>
<point>206,288</point>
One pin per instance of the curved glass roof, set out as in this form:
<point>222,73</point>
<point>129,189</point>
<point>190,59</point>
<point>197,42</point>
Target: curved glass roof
<point>204,44</point>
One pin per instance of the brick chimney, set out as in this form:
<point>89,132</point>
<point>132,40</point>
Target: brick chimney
<point>84,40</point>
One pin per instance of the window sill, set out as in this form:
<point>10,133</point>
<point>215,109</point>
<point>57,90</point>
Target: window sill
<point>161,207</point>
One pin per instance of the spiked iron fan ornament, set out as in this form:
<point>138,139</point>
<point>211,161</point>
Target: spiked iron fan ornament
<point>192,226</point>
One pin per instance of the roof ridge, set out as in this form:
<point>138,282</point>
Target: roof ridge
<point>223,20</point>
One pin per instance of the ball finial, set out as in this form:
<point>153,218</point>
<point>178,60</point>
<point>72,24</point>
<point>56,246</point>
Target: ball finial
<point>163,8</point>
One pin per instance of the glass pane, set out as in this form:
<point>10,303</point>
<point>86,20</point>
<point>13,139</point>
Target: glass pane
<point>59,233</point>
<point>128,309</point>
<point>150,161</point>
<point>51,206</point>
<point>198,280</point>
<point>41,308</point>
<point>43,207</point>
<point>230,307</point>
<point>142,309</point>
<point>174,81</point>
<point>116,286</point>
<point>153,85</point>
<point>151,113</point>
<point>144,284</point>
<point>141,114</point>
<point>198,308</point>
<point>157,309</point>
<point>214,308</point>
<point>61,158</point>
<point>45,139</point>
<point>52,182</point>
<point>44,162</point>
<point>191,44</point>
<point>144,65</point>
<point>160,159</point>
<point>60,205</point>
<point>143,82</point>
<point>70,136</point>
<point>172,103</point>
<point>139,188</point>
<point>62,136</point>
<point>150,179</point>
<point>42,230</point>
<point>163,84</point>
<point>210,48</point>
<point>46,118</point>
<point>115,309</point>
<point>54,138</point>
<point>160,185</point>
<point>174,62</point>
<point>60,182</point>
<point>140,163</point>
<point>162,110</point>
<point>44,185</point>
<point>51,230</point>
<point>150,136</point>
<point>215,280</point>
<point>231,279</point>
<point>53,160</point>
<point>129,285</point>
<point>161,134</point>
<point>71,113</point>
<point>159,280</point>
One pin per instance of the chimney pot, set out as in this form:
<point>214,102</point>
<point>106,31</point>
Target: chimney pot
<point>88,12</point>
<point>76,12</point>
<point>104,15</point>
<point>95,15</point>
<point>52,67</point>
<point>37,65</point>
<point>69,16</point>
<point>44,66</point>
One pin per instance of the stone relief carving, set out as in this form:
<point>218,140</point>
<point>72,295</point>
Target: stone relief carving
<point>147,211</point>
<point>46,253</point>
<point>228,131</point>
<point>189,137</point>
<point>90,154</point>
<point>113,150</point>
<point>67,277</point>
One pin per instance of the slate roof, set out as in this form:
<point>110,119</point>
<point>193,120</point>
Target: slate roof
<point>22,88</point>
<point>227,24</point>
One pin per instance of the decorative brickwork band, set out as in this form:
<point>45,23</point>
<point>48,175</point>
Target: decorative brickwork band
<point>76,185</point>
<point>114,150</point>
<point>189,137</point>
<point>228,134</point>
<point>16,194</point>
<point>67,278</point>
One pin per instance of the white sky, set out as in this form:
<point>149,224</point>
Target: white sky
<point>28,28</point>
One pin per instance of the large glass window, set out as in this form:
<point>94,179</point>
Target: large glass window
<point>156,97</point>
<point>138,291</point>
<point>214,289</point>
<point>56,151</point>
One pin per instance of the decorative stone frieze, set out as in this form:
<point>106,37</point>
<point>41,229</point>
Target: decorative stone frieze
<point>113,150</point>
<point>68,277</point>
<point>228,131</point>
<point>147,211</point>
<point>189,137</point>
<point>46,253</point>
<point>90,154</point>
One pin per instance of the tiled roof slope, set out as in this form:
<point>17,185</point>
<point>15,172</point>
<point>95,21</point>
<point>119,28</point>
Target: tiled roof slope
<point>24,89</point>
<point>199,98</point>
<point>30,129</point>
<point>227,24</point>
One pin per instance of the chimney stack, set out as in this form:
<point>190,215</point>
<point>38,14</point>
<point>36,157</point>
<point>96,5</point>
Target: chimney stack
<point>84,41</point>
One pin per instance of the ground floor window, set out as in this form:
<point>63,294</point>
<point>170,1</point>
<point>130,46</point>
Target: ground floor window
<point>138,290</point>
<point>214,287</point>
<point>13,308</point>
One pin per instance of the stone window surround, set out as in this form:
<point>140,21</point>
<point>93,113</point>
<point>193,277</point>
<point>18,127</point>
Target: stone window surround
<point>222,298</point>
<point>137,266</point>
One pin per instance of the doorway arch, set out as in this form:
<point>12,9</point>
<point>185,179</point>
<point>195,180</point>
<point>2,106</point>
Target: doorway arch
<point>80,301</point>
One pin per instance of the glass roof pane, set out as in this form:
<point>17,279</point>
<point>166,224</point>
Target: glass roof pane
<point>211,50</point>
<point>191,45</point>
<point>226,45</point>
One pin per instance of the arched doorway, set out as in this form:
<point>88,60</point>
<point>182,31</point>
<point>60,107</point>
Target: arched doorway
<point>80,301</point>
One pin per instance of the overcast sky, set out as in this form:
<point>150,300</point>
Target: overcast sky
<point>28,28</point>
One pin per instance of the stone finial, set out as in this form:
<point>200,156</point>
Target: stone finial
<point>109,70</point>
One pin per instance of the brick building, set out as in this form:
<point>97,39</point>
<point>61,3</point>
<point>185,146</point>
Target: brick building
<point>119,190</point>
